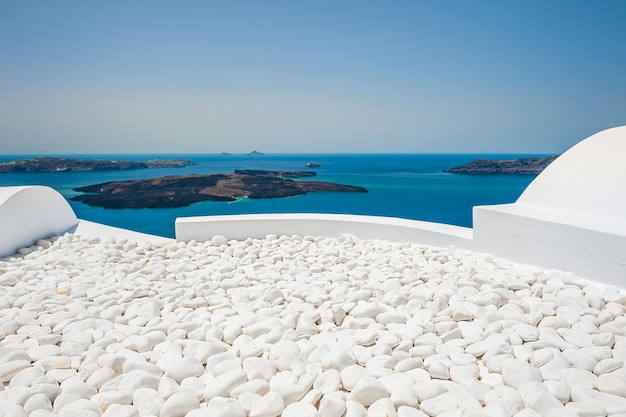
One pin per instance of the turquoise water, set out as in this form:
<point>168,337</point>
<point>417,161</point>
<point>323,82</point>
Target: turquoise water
<point>411,186</point>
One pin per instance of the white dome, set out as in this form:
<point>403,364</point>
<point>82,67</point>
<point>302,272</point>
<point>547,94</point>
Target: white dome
<point>590,178</point>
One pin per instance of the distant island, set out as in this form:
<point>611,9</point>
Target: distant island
<point>504,166</point>
<point>51,164</point>
<point>312,165</point>
<point>179,191</point>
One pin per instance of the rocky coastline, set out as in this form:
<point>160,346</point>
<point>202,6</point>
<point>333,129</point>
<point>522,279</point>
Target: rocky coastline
<point>180,191</point>
<point>53,164</point>
<point>526,166</point>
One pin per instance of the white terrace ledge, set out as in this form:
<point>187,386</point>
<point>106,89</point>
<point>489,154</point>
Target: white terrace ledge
<point>331,225</point>
<point>571,217</point>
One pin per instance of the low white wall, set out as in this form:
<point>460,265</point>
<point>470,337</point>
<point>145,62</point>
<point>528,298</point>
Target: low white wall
<point>585,245</point>
<point>30,213</point>
<point>332,225</point>
<point>571,217</point>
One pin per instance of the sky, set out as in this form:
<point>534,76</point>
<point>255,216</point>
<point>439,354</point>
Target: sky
<point>340,76</point>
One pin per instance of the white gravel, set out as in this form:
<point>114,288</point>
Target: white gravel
<point>301,326</point>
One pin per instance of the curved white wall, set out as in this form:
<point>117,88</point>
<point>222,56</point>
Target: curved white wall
<point>332,225</point>
<point>589,178</point>
<point>571,217</point>
<point>30,213</point>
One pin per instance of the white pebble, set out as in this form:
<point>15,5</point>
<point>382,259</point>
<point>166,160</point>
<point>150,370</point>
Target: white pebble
<point>382,407</point>
<point>332,406</point>
<point>368,390</point>
<point>270,405</point>
<point>300,409</point>
<point>516,372</point>
<point>179,404</point>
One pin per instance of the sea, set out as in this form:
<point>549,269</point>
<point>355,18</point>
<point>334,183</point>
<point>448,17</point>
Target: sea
<point>410,186</point>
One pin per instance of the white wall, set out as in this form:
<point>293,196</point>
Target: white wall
<point>30,213</point>
<point>332,225</point>
<point>571,217</point>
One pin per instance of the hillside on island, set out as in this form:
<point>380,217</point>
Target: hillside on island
<point>530,166</point>
<point>52,164</point>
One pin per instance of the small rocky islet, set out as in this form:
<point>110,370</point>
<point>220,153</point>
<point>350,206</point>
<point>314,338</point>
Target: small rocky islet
<point>180,191</point>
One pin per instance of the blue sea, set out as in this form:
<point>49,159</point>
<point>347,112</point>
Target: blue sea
<point>411,186</point>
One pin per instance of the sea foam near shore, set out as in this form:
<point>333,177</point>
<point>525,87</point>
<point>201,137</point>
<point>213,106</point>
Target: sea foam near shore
<point>301,326</point>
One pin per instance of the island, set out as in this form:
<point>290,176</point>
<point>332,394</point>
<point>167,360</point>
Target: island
<point>312,165</point>
<point>525,166</point>
<point>276,174</point>
<point>53,164</point>
<point>180,191</point>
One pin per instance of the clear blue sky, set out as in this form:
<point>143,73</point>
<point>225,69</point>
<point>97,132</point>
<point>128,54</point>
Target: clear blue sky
<point>531,76</point>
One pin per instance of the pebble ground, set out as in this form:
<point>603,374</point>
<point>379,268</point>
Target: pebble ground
<point>301,327</point>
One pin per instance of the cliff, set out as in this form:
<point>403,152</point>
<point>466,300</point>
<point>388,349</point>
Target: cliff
<point>179,191</point>
<point>51,164</point>
<point>504,166</point>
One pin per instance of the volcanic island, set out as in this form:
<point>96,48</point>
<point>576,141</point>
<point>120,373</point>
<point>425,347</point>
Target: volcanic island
<point>180,191</point>
<point>54,164</point>
<point>527,166</point>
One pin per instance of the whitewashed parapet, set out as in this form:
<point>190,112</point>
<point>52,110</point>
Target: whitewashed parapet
<point>29,213</point>
<point>244,226</point>
<point>571,217</point>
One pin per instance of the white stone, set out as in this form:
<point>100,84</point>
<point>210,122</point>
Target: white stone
<point>351,375</point>
<point>147,401</point>
<point>355,409</point>
<point>257,386</point>
<point>438,405</point>
<point>179,404</point>
<point>270,405</point>
<point>427,390</point>
<point>37,402</point>
<point>400,385</point>
<point>120,410</point>
<point>580,360</point>
<point>9,369</point>
<point>613,403</point>
<point>439,370</point>
<point>300,409</point>
<point>542,402</point>
<point>586,409</point>
<point>25,377</point>
<point>559,389</point>
<point>507,397</point>
<point>79,407</point>
<point>611,384</point>
<point>222,385</point>
<point>76,386</point>
<point>183,368</point>
<point>405,411</point>
<point>526,332</point>
<point>327,382</point>
<point>367,391</point>
<point>218,240</point>
<point>331,406</point>
<point>220,407</point>
<point>516,373</point>
<point>607,365</point>
<point>553,369</point>
<point>382,407</point>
